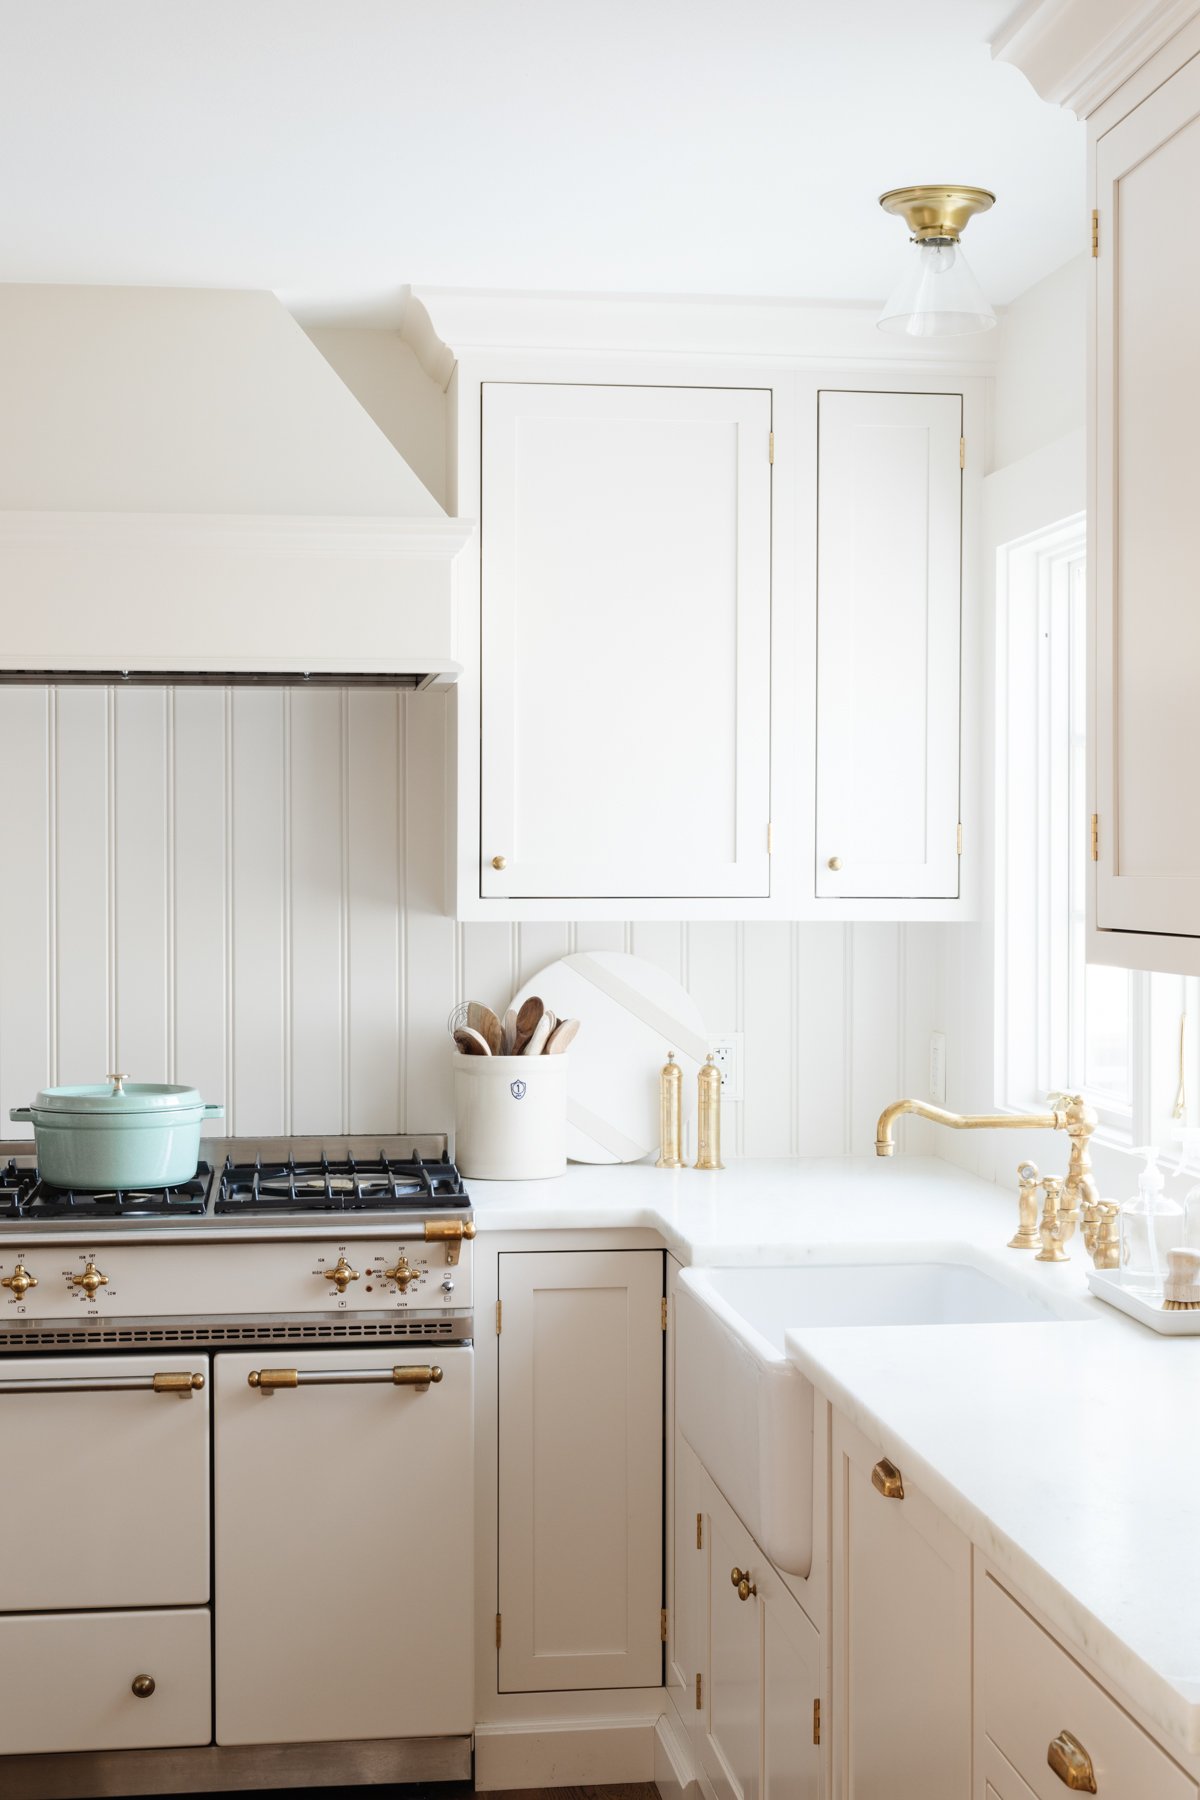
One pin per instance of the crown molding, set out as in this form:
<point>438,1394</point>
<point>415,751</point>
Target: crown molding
<point>1076,53</point>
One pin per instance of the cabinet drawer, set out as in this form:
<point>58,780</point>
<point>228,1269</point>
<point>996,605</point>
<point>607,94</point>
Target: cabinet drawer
<point>67,1681</point>
<point>1030,1690</point>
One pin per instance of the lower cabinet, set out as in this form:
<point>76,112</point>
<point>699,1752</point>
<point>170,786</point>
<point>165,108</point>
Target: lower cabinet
<point>580,1541</point>
<point>901,1628</point>
<point>749,1655</point>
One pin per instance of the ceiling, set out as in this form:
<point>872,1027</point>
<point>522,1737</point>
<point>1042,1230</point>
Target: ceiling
<point>337,150</point>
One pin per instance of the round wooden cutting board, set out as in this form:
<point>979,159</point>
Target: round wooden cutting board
<point>630,1014</point>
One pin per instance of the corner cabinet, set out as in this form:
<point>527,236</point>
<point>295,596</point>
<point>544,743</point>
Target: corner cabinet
<point>713,628</point>
<point>625,647</point>
<point>1144,526</point>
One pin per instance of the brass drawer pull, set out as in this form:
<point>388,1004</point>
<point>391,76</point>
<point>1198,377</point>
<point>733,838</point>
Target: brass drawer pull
<point>412,1375</point>
<point>887,1480</point>
<point>142,1686</point>
<point>742,1582</point>
<point>1071,1763</point>
<point>174,1383</point>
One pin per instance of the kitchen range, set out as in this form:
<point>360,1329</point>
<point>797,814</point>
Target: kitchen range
<point>233,1408</point>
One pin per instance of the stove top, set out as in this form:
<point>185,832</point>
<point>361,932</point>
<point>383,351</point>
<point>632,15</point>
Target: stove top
<point>276,1180</point>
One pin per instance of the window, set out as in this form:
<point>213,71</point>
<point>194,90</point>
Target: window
<point>1114,1035</point>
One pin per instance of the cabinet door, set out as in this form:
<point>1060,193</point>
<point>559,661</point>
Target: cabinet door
<point>1145,540</point>
<point>580,1360</point>
<point>344,1516</point>
<point>902,1627</point>
<point>626,641</point>
<point>889,555</point>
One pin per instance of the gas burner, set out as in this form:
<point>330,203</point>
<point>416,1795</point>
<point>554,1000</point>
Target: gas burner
<point>24,1196</point>
<point>382,1184</point>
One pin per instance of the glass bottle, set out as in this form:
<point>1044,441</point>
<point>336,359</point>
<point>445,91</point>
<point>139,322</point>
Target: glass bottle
<point>1151,1224</point>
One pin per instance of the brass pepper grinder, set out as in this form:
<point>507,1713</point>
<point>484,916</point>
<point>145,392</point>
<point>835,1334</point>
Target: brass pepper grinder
<point>670,1114</point>
<point>708,1117</point>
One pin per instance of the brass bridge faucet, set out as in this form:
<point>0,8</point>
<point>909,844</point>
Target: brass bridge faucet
<point>1067,1201</point>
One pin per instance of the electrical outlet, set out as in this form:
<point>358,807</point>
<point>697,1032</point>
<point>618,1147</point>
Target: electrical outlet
<point>937,1067</point>
<point>727,1054</point>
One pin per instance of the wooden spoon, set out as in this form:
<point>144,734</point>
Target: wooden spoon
<point>483,1020</point>
<point>561,1037</point>
<point>510,1032</point>
<point>537,1042</point>
<point>471,1042</point>
<point>527,1021</point>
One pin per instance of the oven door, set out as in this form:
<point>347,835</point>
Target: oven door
<point>344,1499</point>
<point>106,1471</point>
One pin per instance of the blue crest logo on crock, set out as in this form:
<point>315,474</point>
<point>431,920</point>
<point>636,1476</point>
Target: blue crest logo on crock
<point>517,1089</point>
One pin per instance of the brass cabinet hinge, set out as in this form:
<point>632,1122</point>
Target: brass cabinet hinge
<point>664,1312</point>
<point>962,452</point>
<point>1095,232</point>
<point>499,1316</point>
<point>498,1631</point>
<point>816,1721</point>
<point>699,1531</point>
<point>958,839</point>
<point>662,1624</point>
<point>770,838</point>
<point>699,1691</point>
<point>770,446</point>
<point>1095,837</point>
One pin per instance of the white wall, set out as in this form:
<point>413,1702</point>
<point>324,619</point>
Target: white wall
<point>1040,377</point>
<point>241,889</point>
<point>387,380</point>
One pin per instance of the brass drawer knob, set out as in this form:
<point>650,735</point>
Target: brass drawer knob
<point>20,1281</point>
<point>835,863</point>
<point>142,1686</point>
<point>742,1582</point>
<point>499,862</point>
<point>887,1480</point>
<point>1071,1763</point>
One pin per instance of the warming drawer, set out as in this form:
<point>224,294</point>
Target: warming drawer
<point>106,1478</point>
<point>104,1681</point>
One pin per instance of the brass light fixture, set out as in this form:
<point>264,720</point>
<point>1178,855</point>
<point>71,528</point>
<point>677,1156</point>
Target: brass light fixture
<point>937,295</point>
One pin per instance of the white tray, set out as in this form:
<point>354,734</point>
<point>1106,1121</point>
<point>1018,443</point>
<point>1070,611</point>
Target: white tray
<point>1107,1285</point>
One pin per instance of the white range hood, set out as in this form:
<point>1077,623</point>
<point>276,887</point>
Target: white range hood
<point>187,490</point>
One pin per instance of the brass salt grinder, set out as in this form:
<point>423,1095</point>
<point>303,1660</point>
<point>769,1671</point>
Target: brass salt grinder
<point>670,1114</point>
<point>708,1117</point>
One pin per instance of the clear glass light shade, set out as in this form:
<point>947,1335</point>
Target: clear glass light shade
<point>936,295</point>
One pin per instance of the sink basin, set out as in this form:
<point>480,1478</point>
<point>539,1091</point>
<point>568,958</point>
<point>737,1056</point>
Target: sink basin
<point>747,1411</point>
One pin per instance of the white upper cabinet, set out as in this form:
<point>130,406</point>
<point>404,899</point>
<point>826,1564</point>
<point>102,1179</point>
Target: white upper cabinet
<point>625,642</point>
<point>889,582</point>
<point>1145,537</point>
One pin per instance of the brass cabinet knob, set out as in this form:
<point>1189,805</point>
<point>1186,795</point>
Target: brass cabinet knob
<point>142,1686</point>
<point>887,1480</point>
<point>341,1275</point>
<point>1071,1763</point>
<point>499,862</point>
<point>742,1582</point>
<point>20,1281</point>
<point>402,1273</point>
<point>90,1281</point>
<point>835,863</point>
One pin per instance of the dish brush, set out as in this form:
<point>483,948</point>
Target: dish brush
<point>1181,1290</point>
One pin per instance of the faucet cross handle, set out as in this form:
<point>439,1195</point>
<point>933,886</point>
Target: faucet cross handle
<point>1054,1230</point>
<point>1026,1236</point>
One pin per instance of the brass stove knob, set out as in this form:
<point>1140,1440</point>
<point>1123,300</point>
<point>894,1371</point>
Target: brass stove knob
<point>20,1281</point>
<point>402,1274</point>
<point>342,1275</point>
<point>90,1281</point>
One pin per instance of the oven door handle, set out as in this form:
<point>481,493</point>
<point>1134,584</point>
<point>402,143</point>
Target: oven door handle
<point>171,1383</point>
<point>410,1375</point>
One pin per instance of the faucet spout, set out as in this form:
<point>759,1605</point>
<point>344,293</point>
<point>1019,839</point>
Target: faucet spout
<point>885,1143</point>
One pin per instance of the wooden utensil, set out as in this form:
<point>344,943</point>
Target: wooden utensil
<point>483,1020</point>
<point>509,1037</point>
<point>537,1042</point>
<point>561,1037</point>
<point>527,1021</point>
<point>471,1042</point>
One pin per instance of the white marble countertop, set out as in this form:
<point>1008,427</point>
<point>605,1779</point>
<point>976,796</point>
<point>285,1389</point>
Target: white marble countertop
<point>1068,1452</point>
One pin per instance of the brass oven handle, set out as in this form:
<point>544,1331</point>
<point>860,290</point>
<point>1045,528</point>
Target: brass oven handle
<point>181,1382</point>
<point>887,1480</point>
<point>413,1375</point>
<point>1071,1763</point>
<point>742,1582</point>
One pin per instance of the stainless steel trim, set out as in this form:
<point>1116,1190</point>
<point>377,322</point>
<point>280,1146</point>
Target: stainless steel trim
<point>99,1384</point>
<point>186,1333</point>
<point>229,1768</point>
<point>323,678</point>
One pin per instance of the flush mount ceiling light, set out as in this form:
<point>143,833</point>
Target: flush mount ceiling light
<point>936,295</point>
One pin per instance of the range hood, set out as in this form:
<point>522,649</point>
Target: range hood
<point>188,492</point>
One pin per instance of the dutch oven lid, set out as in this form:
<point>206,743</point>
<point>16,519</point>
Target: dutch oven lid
<point>119,1096</point>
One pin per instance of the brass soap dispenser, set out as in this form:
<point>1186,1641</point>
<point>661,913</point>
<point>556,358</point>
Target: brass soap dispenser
<point>708,1116</point>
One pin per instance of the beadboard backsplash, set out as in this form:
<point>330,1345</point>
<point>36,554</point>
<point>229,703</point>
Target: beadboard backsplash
<point>242,889</point>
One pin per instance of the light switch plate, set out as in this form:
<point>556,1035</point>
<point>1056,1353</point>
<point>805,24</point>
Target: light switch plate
<point>937,1067</point>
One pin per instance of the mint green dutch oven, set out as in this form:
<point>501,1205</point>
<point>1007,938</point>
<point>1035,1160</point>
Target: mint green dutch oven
<point>145,1135</point>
